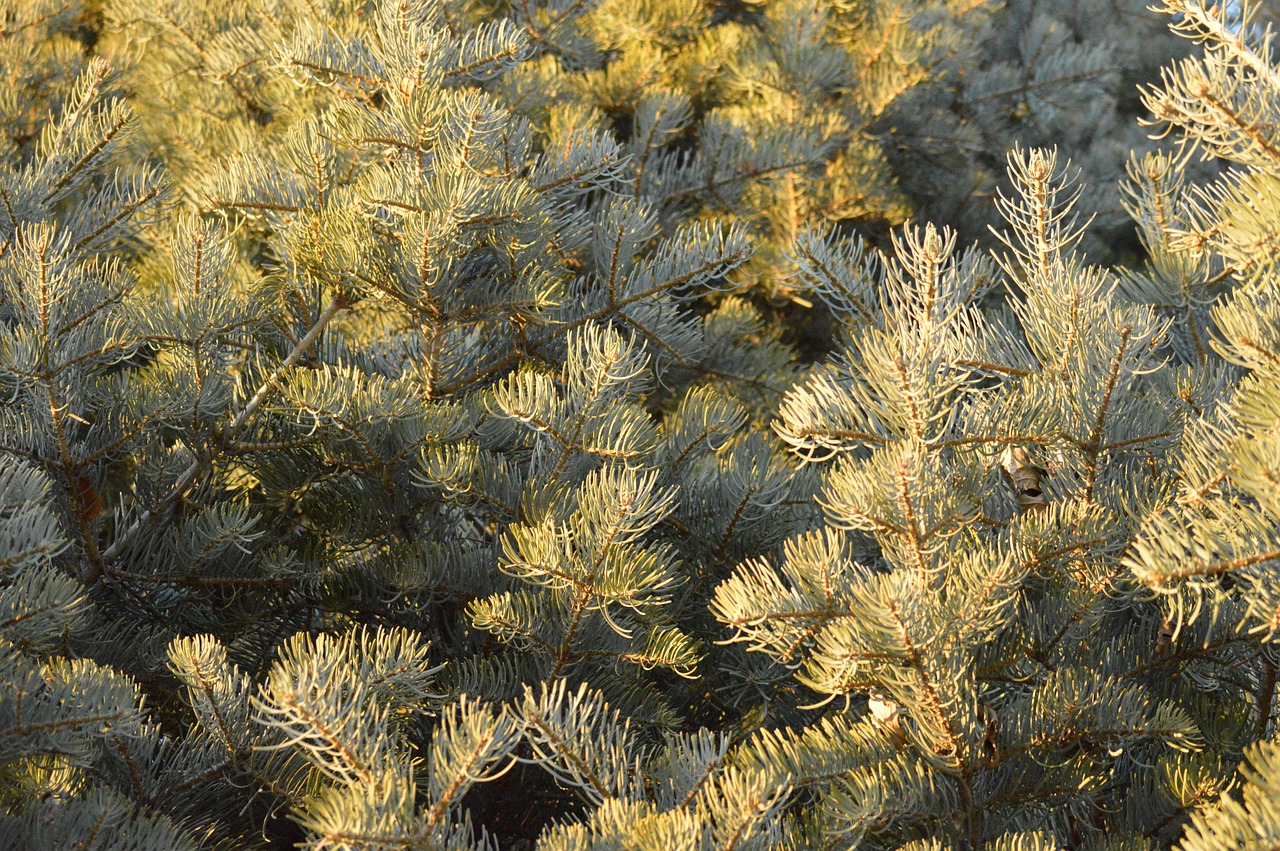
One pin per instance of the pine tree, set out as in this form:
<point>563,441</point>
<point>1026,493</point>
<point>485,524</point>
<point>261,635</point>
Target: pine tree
<point>402,445</point>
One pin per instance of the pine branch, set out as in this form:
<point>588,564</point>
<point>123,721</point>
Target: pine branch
<point>188,478</point>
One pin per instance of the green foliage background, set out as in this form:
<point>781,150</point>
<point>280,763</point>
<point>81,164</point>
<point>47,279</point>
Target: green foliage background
<point>639,424</point>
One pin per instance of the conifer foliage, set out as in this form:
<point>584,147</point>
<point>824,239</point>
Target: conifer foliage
<point>403,445</point>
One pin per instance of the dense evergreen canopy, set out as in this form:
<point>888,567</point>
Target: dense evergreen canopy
<point>647,424</point>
